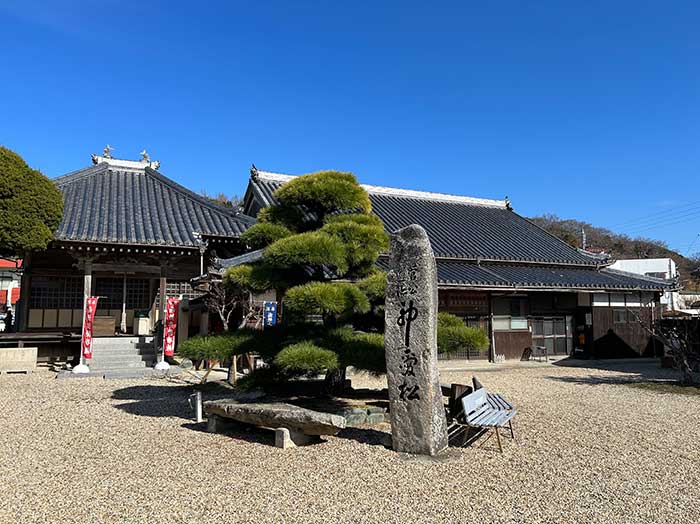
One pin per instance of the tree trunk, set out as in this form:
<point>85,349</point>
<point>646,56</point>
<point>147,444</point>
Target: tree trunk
<point>334,383</point>
<point>232,371</point>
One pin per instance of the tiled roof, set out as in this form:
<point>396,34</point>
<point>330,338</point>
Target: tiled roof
<point>459,227</point>
<point>245,258</point>
<point>481,243</point>
<point>461,273</point>
<point>131,205</point>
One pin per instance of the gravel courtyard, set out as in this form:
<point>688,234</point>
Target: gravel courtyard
<point>593,445</point>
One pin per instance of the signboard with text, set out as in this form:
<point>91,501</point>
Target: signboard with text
<point>269,314</point>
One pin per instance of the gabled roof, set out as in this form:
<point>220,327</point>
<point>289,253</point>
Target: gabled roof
<point>124,202</point>
<point>479,243</point>
<point>459,227</point>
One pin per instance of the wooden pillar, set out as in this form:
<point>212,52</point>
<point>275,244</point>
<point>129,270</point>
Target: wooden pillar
<point>492,335</point>
<point>123,322</point>
<point>22,312</point>
<point>204,323</point>
<point>87,283</point>
<point>162,297</point>
<point>183,321</point>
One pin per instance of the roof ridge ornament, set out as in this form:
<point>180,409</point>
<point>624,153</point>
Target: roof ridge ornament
<point>133,164</point>
<point>253,171</point>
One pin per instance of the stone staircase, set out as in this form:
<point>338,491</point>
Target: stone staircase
<point>115,357</point>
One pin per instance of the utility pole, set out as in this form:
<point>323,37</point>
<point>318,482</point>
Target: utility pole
<point>583,238</point>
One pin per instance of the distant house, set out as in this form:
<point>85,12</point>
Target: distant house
<point>9,282</point>
<point>689,303</point>
<point>131,236</point>
<point>664,268</point>
<point>499,271</point>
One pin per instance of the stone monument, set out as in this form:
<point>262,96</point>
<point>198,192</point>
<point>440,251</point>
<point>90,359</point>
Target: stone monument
<point>418,423</point>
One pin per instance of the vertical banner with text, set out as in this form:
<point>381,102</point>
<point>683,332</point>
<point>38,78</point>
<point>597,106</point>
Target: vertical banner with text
<point>86,341</point>
<point>269,314</point>
<point>172,305</point>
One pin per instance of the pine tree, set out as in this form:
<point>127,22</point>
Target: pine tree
<point>320,247</point>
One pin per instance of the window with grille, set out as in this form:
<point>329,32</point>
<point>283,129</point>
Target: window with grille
<point>175,289</point>
<point>553,333</point>
<point>619,316</point>
<point>56,292</point>
<point>111,293</point>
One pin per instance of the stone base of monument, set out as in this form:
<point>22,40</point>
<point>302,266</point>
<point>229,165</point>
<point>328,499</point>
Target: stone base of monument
<point>293,426</point>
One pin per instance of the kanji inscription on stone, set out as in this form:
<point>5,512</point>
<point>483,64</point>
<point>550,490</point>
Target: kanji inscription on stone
<point>418,423</point>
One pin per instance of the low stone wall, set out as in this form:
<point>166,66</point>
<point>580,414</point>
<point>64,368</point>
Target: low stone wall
<point>18,359</point>
<point>364,415</point>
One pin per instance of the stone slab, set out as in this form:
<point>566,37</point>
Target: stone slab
<point>277,415</point>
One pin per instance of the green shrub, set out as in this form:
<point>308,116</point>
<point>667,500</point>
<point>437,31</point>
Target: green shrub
<point>314,248</point>
<point>263,234</point>
<point>248,277</point>
<point>324,192</point>
<point>363,351</point>
<point>446,320</point>
<point>374,286</point>
<point>324,298</point>
<point>454,335</point>
<point>288,216</point>
<point>31,206</point>
<point>305,358</point>
<point>216,347</point>
<point>362,238</point>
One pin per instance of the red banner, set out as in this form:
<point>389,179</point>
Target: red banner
<point>86,342</point>
<point>170,332</point>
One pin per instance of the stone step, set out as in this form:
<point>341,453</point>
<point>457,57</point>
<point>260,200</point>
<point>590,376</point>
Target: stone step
<point>124,339</point>
<point>119,361</point>
<point>113,345</point>
<point>121,342</point>
<point>126,373</point>
<point>101,366</point>
<point>124,353</point>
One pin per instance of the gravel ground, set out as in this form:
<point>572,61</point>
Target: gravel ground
<point>590,448</point>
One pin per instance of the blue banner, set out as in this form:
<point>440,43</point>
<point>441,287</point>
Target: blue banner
<point>269,314</point>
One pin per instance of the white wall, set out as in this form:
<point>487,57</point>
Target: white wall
<point>652,267</point>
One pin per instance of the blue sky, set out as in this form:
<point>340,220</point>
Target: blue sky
<point>588,110</point>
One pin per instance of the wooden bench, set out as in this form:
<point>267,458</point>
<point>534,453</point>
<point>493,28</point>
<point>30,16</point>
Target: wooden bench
<point>486,411</point>
<point>18,359</point>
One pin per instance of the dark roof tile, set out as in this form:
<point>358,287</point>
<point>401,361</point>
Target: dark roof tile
<point>111,204</point>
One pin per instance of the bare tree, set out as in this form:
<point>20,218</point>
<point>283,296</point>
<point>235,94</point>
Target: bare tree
<point>222,300</point>
<point>681,336</point>
<point>681,339</point>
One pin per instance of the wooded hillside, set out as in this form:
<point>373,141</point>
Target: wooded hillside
<point>620,246</point>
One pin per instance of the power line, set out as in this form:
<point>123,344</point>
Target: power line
<point>692,244</point>
<point>670,218</point>
<point>638,222</point>
<point>676,220</point>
